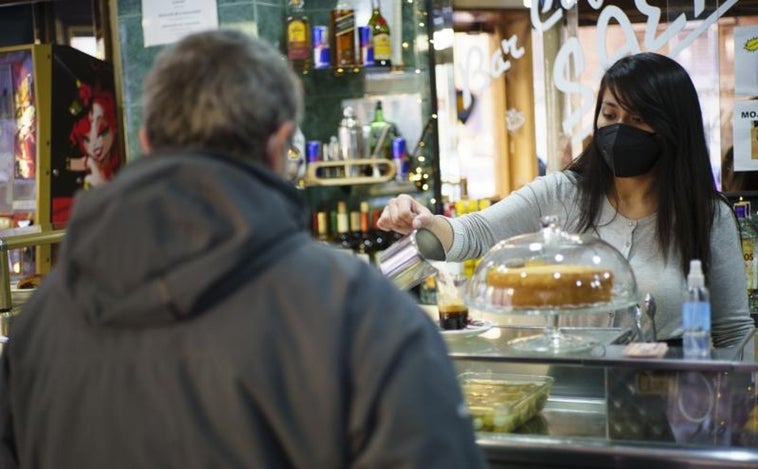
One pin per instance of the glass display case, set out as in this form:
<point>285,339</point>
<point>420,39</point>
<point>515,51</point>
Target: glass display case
<point>606,409</point>
<point>592,396</point>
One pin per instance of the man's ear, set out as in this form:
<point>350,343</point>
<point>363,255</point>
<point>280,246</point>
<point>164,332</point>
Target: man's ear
<point>278,146</point>
<point>144,141</point>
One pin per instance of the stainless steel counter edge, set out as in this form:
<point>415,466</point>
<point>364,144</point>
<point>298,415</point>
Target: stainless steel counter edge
<point>534,451</point>
<point>613,355</point>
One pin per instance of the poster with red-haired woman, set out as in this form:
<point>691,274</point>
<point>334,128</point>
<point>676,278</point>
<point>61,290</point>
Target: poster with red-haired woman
<point>85,130</point>
<point>94,135</point>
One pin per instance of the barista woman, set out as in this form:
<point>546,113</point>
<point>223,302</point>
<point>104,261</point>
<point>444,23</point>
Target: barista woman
<point>644,185</point>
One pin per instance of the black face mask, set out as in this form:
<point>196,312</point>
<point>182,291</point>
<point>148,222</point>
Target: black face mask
<point>628,151</point>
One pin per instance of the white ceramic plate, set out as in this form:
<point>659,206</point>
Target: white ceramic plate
<point>473,329</point>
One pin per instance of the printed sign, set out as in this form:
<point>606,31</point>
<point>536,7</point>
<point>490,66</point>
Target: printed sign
<point>164,22</point>
<point>745,123</point>
<point>746,61</point>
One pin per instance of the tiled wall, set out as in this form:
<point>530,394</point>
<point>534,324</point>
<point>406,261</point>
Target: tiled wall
<point>265,18</point>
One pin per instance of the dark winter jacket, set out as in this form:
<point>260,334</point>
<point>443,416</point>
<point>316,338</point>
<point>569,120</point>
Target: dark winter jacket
<point>191,322</point>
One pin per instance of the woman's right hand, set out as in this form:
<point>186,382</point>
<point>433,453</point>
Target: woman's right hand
<point>403,214</point>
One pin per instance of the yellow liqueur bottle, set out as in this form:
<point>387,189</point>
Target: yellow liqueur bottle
<point>380,36</point>
<point>298,36</point>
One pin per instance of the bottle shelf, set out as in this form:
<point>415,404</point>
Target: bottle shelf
<point>349,172</point>
<point>373,71</point>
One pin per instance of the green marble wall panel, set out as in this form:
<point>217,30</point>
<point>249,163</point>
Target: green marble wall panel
<point>323,101</point>
<point>271,23</point>
<point>133,120</point>
<point>129,7</point>
<point>136,59</point>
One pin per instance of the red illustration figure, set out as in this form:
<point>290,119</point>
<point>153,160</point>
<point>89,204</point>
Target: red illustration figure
<point>94,134</point>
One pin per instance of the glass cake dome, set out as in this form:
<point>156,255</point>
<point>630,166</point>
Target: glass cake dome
<point>552,272</point>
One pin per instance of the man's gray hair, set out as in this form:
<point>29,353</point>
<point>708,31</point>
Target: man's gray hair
<point>221,91</point>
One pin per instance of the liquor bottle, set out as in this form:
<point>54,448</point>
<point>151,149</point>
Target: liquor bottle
<point>343,35</point>
<point>696,315</point>
<point>355,235</point>
<point>381,134</point>
<point>298,36</point>
<point>343,239</point>
<point>382,239</point>
<point>749,242</point>
<point>366,242</point>
<point>321,230</point>
<point>380,36</point>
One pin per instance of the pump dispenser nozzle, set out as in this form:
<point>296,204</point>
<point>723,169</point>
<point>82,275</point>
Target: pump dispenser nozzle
<point>695,279</point>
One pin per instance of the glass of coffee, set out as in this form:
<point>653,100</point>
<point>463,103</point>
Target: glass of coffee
<point>451,289</point>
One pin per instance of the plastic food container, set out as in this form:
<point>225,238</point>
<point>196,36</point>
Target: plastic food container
<point>501,402</point>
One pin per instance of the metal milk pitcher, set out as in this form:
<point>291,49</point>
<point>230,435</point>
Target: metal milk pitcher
<point>404,263</point>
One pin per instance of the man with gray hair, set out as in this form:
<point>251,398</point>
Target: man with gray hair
<point>192,322</point>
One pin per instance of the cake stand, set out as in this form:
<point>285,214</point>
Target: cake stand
<point>557,253</point>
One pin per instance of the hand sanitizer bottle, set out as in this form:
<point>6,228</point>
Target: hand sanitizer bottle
<point>696,315</point>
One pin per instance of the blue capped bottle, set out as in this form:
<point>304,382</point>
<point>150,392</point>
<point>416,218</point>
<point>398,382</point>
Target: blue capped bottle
<point>696,315</point>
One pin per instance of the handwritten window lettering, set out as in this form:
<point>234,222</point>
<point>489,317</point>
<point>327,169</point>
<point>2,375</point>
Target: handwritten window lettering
<point>475,73</point>
<point>546,14</point>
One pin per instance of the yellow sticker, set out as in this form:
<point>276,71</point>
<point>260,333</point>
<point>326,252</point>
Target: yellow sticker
<point>751,45</point>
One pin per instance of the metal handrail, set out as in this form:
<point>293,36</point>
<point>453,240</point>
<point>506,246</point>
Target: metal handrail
<point>16,242</point>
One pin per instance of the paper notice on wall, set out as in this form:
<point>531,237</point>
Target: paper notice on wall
<point>746,61</point>
<point>745,124</point>
<point>167,21</point>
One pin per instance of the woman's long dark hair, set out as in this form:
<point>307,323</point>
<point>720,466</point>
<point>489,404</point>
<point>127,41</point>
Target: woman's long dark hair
<point>657,89</point>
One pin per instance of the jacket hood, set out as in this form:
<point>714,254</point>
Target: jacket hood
<point>158,243</point>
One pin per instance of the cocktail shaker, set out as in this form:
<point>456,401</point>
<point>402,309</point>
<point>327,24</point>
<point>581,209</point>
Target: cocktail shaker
<point>350,137</point>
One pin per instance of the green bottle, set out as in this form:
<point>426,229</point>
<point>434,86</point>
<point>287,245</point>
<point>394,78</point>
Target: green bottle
<point>381,134</point>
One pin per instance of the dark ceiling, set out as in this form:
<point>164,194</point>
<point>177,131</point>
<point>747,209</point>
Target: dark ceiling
<point>72,12</point>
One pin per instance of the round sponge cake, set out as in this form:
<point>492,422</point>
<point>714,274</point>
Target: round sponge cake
<point>550,286</point>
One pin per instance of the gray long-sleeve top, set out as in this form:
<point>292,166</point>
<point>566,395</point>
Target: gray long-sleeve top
<point>556,193</point>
